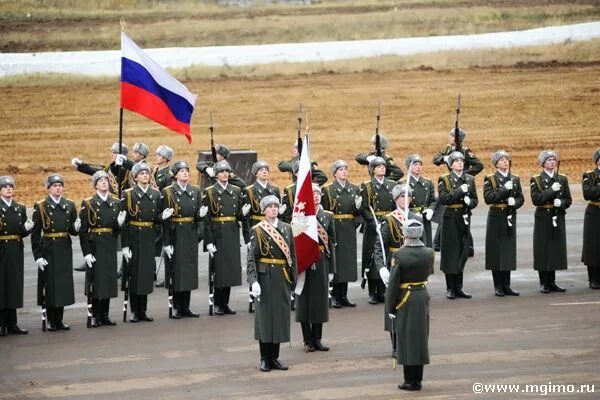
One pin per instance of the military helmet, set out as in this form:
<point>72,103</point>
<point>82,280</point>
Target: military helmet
<point>179,165</point>
<point>115,149</point>
<point>7,181</point>
<point>455,155</point>
<point>267,201</point>
<point>139,167</point>
<point>383,141</point>
<point>222,166</point>
<point>99,175</point>
<point>461,134</point>
<point>545,155</point>
<point>141,148</point>
<point>165,151</point>
<point>412,229</point>
<point>413,158</point>
<point>337,165</point>
<point>52,179</point>
<point>401,190</point>
<point>223,151</point>
<point>498,155</point>
<point>596,156</point>
<point>257,166</point>
<point>376,162</point>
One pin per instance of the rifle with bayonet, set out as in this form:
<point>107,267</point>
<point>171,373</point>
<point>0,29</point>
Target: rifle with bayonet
<point>457,141</point>
<point>211,267</point>
<point>213,149</point>
<point>377,136</point>
<point>299,131</point>
<point>90,295</point>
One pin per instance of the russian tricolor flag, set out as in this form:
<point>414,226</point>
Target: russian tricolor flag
<point>149,90</point>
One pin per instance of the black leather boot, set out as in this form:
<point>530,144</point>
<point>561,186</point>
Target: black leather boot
<point>265,364</point>
<point>307,337</point>
<point>317,334</point>
<point>450,285</point>
<point>460,293</point>
<point>104,318</point>
<point>276,363</point>
<point>507,289</point>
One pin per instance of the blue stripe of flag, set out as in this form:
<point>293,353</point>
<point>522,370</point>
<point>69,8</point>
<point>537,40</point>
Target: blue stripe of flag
<point>135,74</point>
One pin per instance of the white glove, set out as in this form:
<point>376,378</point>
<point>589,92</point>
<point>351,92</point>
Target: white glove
<point>77,225</point>
<point>167,212</point>
<point>89,260</point>
<point>446,159</point>
<point>121,217</point>
<point>557,202</point>
<point>466,219</point>
<point>467,200</point>
<point>511,201</point>
<point>28,225</point>
<point>76,161</point>
<point>392,316</point>
<point>357,201</point>
<point>464,187</point>
<point>169,251</point>
<point>330,277</point>
<point>428,214</point>
<point>370,158</point>
<point>255,289</point>
<point>41,263</point>
<point>385,275</point>
<point>212,249</point>
<point>556,186</point>
<point>120,159</point>
<point>210,171</point>
<point>282,209</point>
<point>246,209</point>
<point>203,211</point>
<point>508,185</point>
<point>127,253</point>
<point>378,229</point>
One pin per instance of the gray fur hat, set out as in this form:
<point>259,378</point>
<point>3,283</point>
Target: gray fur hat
<point>142,148</point>
<point>383,141</point>
<point>179,165</point>
<point>165,151</point>
<point>115,149</point>
<point>222,166</point>
<point>52,179</point>
<point>316,188</point>
<point>223,150</point>
<point>99,175</point>
<point>267,201</point>
<point>375,162</point>
<point>498,155</point>
<point>455,155</point>
<point>139,167</point>
<point>400,190</point>
<point>545,155</point>
<point>596,156</point>
<point>412,229</point>
<point>461,134</point>
<point>337,165</point>
<point>7,181</point>
<point>413,158</point>
<point>260,164</point>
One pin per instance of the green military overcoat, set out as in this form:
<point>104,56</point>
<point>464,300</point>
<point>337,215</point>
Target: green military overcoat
<point>12,232</point>
<point>423,198</point>
<point>591,223</point>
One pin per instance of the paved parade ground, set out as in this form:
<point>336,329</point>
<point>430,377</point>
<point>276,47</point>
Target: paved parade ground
<point>533,339</point>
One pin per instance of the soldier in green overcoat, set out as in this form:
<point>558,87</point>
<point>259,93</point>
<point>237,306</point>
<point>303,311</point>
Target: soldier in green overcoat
<point>423,194</point>
<point>55,220</point>
<point>376,195</point>
<point>343,199</point>
<point>271,273</point>
<point>117,175</point>
<point>163,178</point>
<point>591,223</point>
<point>457,192</point>
<point>407,303</point>
<point>551,195</point>
<point>143,206</point>
<point>312,303</point>
<point>101,223</point>
<point>392,170</point>
<point>14,226</point>
<point>252,195</point>
<point>180,237</point>
<point>222,235</point>
<point>208,167</point>
<point>502,192</point>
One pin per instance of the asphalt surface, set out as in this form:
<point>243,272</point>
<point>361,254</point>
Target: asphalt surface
<point>533,339</point>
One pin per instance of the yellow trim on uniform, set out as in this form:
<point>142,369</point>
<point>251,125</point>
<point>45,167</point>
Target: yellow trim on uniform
<point>343,216</point>
<point>546,206</point>
<point>381,213</point>
<point>392,249</point>
<point>55,235</point>
<point>224,219</point>
<point>454,206</point>
<point>257,217</point>
<point>408,286</point>
<point>276,261</point>
<point>10,237</point>
<point>101,230</point>
<point>182,219</point>
<point>498,205</point>
<point>321,247</point>
<point>142,224</point>
<point>594,203</point>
